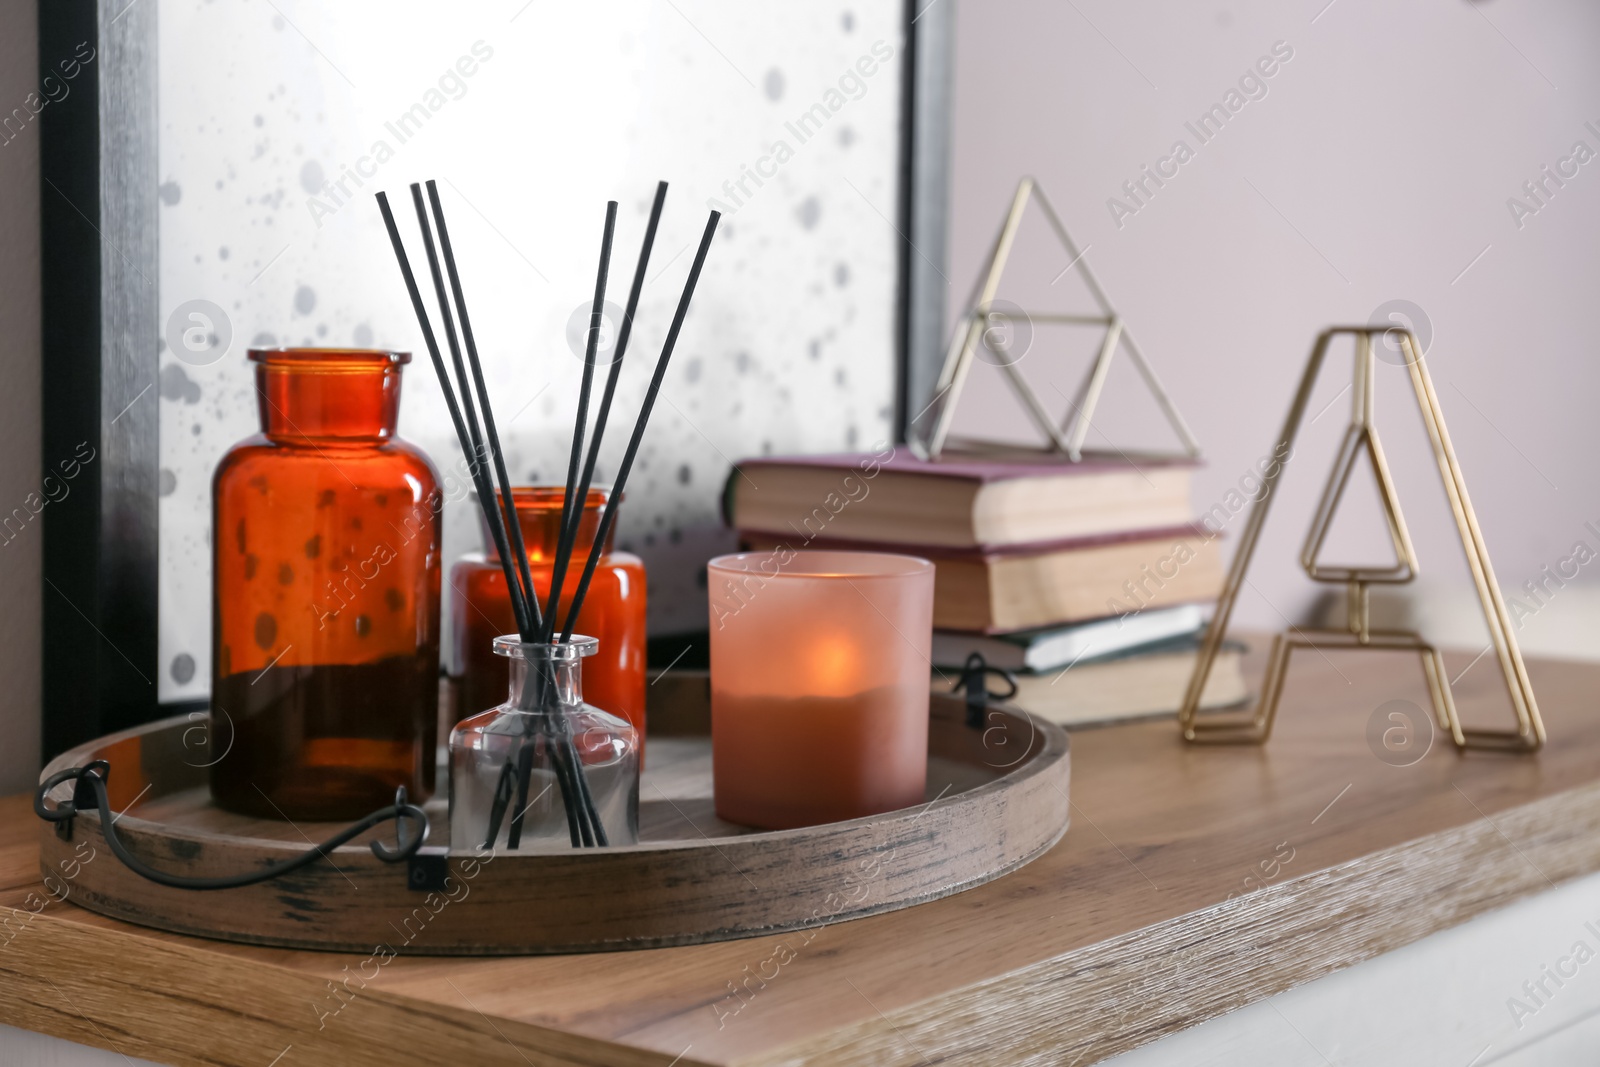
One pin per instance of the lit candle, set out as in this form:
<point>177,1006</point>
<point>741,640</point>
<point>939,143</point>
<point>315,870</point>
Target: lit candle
<point>819,684</point>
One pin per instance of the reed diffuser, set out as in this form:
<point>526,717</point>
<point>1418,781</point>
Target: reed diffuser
<point>544,760</point>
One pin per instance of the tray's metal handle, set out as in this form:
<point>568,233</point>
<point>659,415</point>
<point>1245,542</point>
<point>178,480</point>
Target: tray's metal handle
<point>974,682</point>
<point>89,791</point>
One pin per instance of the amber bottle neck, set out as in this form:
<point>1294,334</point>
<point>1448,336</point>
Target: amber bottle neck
<point>539,516</point>
<point>328,399</point>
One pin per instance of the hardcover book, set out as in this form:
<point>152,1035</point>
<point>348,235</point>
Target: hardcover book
<point>1025,587</point>
<point>956,501</point>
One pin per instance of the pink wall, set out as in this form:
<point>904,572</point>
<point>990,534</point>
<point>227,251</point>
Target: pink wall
<point>1376,166</point>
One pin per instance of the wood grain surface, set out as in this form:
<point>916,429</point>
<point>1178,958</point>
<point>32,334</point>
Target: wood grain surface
<point>991,806</point>
<point>1192,881</point>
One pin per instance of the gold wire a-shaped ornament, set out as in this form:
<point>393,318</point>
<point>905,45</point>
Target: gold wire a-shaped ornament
<point>978,325</point>
<point>1361,438</point>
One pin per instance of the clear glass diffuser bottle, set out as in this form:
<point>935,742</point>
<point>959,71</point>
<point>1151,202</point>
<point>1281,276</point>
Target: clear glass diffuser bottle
<point>545,769</point>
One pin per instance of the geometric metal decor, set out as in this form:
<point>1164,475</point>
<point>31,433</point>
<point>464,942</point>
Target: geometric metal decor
<point>1361,440</point>
<point>987,323</point>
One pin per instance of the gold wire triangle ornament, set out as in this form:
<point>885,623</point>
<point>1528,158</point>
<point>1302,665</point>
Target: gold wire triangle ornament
<point>985,323</point>
<point>1361,438</point>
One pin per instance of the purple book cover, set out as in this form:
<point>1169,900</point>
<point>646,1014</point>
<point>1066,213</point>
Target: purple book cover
<point>963,467</point>
<point>967,466</point>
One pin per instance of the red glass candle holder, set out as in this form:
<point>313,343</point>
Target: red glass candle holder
<point>613,611</point>
<point>325,584</point>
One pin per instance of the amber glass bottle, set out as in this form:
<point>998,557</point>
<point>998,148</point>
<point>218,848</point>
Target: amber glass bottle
<point>325,609</point>
<point>613,611</point>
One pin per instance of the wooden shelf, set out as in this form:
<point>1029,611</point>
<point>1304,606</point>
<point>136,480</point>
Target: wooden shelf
<point>1140,923</point>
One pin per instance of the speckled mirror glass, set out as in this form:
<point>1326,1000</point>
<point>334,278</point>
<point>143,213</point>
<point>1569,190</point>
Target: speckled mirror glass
<point>278,121</point>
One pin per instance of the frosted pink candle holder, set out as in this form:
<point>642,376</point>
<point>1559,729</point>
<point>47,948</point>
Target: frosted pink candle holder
<point>819,684</point>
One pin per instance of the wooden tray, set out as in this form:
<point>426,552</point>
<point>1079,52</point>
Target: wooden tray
<point>997,798</point>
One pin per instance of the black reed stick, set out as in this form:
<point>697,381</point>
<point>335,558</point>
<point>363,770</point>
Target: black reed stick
<point>468,410</point>
<point>503,788</point>
<point>575,825</point>
<point>596,826</point>
<point>575,792</point>
<point>639,423</point>
<point>572,510</point>
<point>572,794</point>
<point>480,479</point>
<point>514,527</point>
<point>523,776</point>
<point>581,497</point>
<point>567,761</point>
<point>624,331</point>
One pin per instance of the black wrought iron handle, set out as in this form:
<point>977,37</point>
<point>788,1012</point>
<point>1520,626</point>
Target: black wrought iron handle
<point>974,682</point>
<point>90,791</point>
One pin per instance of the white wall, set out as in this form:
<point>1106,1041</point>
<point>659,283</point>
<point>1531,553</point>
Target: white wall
<point>1377,167</point>
<point>20,558</point>
<point>42,1050</point>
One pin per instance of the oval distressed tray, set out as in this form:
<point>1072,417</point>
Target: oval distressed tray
<point>997,798</point>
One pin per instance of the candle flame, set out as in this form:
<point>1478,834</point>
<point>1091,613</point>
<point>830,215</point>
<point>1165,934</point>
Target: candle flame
<point>835,667</point>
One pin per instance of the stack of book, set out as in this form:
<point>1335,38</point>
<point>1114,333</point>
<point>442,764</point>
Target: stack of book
<point>1086,579</point>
